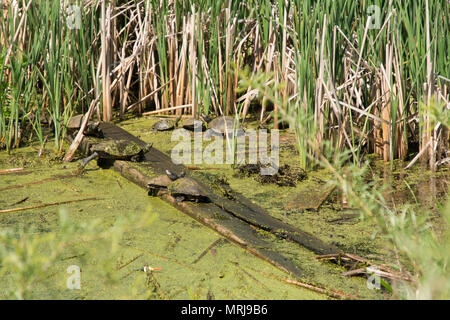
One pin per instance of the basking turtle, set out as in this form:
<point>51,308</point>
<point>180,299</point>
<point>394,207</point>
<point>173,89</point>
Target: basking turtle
<point>158,183</point>
<point>92,128</point>
<point>187,189</point>
<point>75,122</point>
<point>117,150</point>
<point>166,124</point>
<point>221,126</point>
<point>191,123</point>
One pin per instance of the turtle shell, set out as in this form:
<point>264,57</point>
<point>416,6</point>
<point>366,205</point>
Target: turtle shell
<point>92,128</point>
<point>191,124</point>
<point>164,125</point>
<point>75,122</point>
<point>189,189</point>
<point>158,183</point>
<point>224,124</point>
<point>117,149</point>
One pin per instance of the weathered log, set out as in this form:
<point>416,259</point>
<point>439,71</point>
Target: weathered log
<point>233,218</point>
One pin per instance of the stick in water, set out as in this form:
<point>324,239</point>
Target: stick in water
<point>44,205</point>
<point>6,171</point>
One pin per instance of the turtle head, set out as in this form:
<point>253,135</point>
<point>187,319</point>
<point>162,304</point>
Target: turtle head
<point>147,147</point>
<point>174,176</point>
<point>177,120</point>
<point>205,118</point>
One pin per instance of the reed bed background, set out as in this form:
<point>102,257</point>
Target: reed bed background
<point>353,79</point>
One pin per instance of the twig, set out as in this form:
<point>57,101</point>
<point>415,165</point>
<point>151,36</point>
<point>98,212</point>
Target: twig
<point>200,168</point>
<point>370,267</point>
<point>326,291</point>
<point>20,201</point>
<point>132,260</point>
<point>37,182</point>
<point>250,276</point>
<point>148,97</point>
<point>167,109</point>
<point>42,148</point>
<point>344,217</point>
<point>212,245</point>
<point>70,186</point>
<point>6,171</point>
<point>44,205</point>
<point>79,137</point>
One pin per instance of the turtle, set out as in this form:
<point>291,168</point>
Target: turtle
<point>174,176</point>
<point>158,183</point>
<point>188,189</point>
<point>221,126</point>
<point>117,150</point>
<point>166,124</point>
<point>191,123</point>
<point>92,128</point>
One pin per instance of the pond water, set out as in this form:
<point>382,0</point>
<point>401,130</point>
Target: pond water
<point>156,234</point>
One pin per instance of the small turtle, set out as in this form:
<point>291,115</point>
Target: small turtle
<point>92,128</point>
<point>166,124</point>
<point>117,150</point>
<point>187,189</point>
<point>191,123</point>
<point>223,125</point>
<point>158,183</point>
<point>75,122</point>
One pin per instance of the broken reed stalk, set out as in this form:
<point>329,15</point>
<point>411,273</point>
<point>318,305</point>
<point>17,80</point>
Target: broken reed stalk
<point>44,205</point>
<point>17,186</point>
<point>12,170</point>
<point>335,294</point>
<point>70,153</point>
<point>381,269</point>
<point>166,109</point>
<point>212,245</point>
<point>130,261</point>
<point>106,59</point>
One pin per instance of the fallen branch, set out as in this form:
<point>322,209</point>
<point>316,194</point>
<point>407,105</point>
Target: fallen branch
<point>19,202</point>
<point>326,291</point>
<point>369,267</point>
<point>42,148</point>
<point>329,292</point>
<point>44,205</point>
<point>132,260</point>
<point>6,171</point>
<point>17,186</point>
<point>79,137</point>
<point>200,168</point>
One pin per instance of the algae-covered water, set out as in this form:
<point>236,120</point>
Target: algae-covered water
<point>140,230</point>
